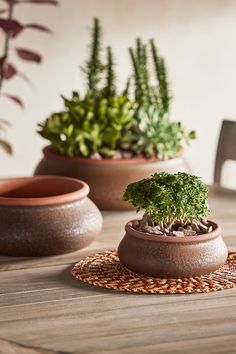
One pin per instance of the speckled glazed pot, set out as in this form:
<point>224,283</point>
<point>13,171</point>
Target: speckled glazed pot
<point>46,215</point>
<point>107,178</point>
<point>172,257</point>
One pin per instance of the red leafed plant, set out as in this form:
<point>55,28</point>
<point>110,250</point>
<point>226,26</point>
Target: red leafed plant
<point>11,28</point>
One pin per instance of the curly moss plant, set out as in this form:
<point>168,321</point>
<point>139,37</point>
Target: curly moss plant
<point>153,134</point>
<point>169,199</point>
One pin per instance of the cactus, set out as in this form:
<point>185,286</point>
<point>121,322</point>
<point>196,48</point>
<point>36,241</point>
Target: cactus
<point>94,67</point>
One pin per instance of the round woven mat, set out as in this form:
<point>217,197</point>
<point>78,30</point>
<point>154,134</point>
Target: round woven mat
<point>104,270</point>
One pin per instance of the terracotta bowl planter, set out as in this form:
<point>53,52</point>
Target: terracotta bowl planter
<point>107,178</point>
<point>172,257</point>
<point>46,215</point>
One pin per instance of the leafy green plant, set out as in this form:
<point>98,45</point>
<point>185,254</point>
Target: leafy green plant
<point>96,124</point>
<point>102,121</point>
<point>169,199</point>
<point>90,125</point>
<point>153,134</point>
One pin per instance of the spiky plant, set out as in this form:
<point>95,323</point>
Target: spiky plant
<point>110,87</point>
<point>146,93</point>
<point>169,199</point>
<point>153,134</point>
<point>102,121</point>
<point>94,66</point>
<point>141,74</point>
<point>161,93</point>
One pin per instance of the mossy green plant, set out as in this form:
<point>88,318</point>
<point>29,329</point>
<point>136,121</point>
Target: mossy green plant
<point>169,199</point>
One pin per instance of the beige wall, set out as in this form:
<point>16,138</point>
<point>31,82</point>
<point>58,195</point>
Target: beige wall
<point>197,37</point>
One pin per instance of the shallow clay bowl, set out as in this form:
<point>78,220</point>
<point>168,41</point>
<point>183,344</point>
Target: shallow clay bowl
<point>46,215</point>
<point>170,256</point>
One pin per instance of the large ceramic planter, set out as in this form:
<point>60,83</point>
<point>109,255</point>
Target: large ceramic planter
<point>45,215</point>
<point>172,257</point>
<point>107,178</point>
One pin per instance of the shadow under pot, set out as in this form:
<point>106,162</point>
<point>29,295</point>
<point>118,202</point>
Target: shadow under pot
<point>107,178</point>
<point>46,215</point>
<point>170,256</point>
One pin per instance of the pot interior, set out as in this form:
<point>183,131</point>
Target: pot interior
<point>38,187</point>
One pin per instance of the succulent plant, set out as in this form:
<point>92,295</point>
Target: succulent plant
<point>155,136</point>
<point>95,125</point>
<point>89,125</point>
<point>103,121</point>
<point>169,199</point>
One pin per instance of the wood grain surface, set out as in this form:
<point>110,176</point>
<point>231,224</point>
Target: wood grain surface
<point>41,305</point>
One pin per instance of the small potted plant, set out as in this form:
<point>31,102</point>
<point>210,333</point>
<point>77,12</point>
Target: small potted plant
<point>173,239</point>
<point>109,139</point>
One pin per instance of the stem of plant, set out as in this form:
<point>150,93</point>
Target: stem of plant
<point>6,46</point>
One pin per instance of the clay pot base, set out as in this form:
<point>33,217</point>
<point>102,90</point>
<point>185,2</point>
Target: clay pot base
<point>104,270</point>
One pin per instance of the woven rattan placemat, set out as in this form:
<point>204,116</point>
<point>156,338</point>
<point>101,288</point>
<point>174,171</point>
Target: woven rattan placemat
<point>104,270</point>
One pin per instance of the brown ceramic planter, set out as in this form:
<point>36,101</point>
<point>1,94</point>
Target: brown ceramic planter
<point>172,257</point>
<point>46,215</point>
<point>107,178</point>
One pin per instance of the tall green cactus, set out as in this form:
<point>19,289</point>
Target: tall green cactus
<point>161,77</point>
<point>110,87</point>
<point>141,73</point>
<point>145,93</point>
<point>94,66</point>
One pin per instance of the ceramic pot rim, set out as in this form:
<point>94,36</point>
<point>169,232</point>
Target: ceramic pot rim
<point>173,239</point>
<point>50,152</point>
<point>77,194</point>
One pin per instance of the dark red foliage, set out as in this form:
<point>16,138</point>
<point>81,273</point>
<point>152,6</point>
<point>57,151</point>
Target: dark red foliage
<point>39,2</point>
<point>38,27</point>
<point>15,99</point>
<point>11,27</point>
<point>28,55</point>
<point>9,71</point>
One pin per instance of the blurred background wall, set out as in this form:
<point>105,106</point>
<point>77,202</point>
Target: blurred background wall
<point>197,38</point>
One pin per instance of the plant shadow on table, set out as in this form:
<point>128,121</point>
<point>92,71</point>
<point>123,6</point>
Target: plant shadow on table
<point>71,281</point>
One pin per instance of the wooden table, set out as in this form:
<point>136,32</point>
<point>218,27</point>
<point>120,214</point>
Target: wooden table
<point>42,305</point>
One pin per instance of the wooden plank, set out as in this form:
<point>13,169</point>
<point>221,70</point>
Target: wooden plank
<point>42,305</point>
<point>210,345</point>
<point>120,321</point>
<point>9,347</point>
